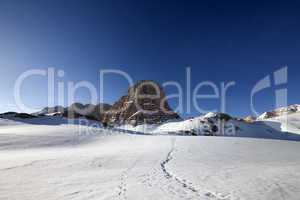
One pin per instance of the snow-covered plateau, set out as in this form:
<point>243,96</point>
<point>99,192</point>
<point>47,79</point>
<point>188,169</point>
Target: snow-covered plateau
<point>55,160</point>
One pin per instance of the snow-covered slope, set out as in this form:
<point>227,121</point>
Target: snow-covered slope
<point>280,112</point>
<point>288,118</point>
<point>217,124</point>
<point>220,124</point>
<point>288,123</point>
<point>71,162</point>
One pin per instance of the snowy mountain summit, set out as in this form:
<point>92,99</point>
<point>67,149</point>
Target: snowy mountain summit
<point>280,112</point>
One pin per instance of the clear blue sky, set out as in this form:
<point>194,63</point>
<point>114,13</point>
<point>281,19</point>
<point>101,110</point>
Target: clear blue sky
<point>219,40</point>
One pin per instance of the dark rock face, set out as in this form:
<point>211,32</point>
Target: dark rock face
<point>25,116</point>
<point>9,115</point>
<point>145,103</point>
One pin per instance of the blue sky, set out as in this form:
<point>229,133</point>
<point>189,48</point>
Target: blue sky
<point>221,42</point>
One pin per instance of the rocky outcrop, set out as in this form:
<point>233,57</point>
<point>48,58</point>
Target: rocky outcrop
<point>145,103</point>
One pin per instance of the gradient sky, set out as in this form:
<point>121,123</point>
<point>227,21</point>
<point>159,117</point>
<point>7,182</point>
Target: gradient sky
<point>219,40</point>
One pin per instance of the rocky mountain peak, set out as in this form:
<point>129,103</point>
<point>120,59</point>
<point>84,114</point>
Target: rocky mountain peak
<point>145,103</point>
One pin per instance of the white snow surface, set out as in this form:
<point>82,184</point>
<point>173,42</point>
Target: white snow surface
<point>288,122</point>
<point>74,162</point>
